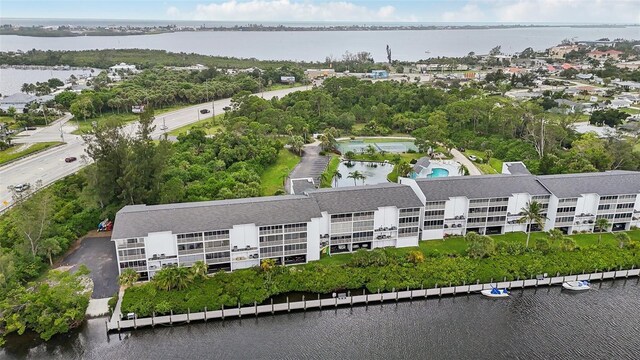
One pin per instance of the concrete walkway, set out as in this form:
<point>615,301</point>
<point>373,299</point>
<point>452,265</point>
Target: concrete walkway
<point>117,312</point>
<point>459,157</point>
<point>97,307</point>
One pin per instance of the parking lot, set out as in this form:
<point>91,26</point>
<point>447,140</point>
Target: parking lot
<point>99,255</point>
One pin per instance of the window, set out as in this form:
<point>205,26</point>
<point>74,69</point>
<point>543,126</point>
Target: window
<point>607,198</point>
<point>363,215</point>
<point>604,207</point>
<point>295,236</point>
<point>477,220</point>
<point>273,229</point>
<point>362,225</point>
<point>407,232</point>
<point>194,246</point>
<point>341,218</point>
<point>409,212</point>
<point>625,206</point>
<point>433,224</point>
<point>567,200</point>
<point>434,213</point>
<point>433,204</point>
<point>216,244</point>
<point>564,219</point>
<point>478,201</point>
<point>190,237</point>
<point>269,251</point>
<point>218,255</point>
<point>503,199</point>
<point>623,216</point>
<point>130,264</point>
<point>571,209</point>
<point>295,227</point>
<point>497,209</point>
<point>409,221</point>
<point>496,218</point>
<point>296,247</point>
<point>214,235</point>
<point>477,210</point>
<point>627,197</point>
<point>605,216</point>
<point>271,239</point>
<point>363,236</point>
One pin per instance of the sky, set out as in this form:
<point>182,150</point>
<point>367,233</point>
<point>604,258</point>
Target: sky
<point>489,11</point>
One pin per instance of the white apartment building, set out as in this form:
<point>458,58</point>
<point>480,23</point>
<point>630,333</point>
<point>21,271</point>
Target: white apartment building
<point>291,229</point>
<point>492,204</point>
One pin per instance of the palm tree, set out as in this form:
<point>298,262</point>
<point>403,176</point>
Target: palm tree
<point>531,214</point>
<point>172,278</point>
<point>296,144</point>
<point>199,270</point>
<point>404,169</point>
<point>488,154</point>
<point>463,170</point>
<point>356,175</point>
<point>336,175</point>
<point>128,277</point>
<point>602,224</point>
<point>349,155</point>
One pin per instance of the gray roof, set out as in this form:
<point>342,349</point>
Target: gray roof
<point>517,168</point>
<point>422,163</point>
<point>604,183</point>
<point>365,198</point>
<point>17,98</point>
<point>140,220</point>
<point>299,186</point>
<point>479,187</point>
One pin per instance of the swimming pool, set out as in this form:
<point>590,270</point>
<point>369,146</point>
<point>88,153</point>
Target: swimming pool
<point>438,172</point>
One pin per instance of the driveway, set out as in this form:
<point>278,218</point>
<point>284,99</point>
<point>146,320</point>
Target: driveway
<point>311,165</point>
<point>99,255</point>
<point>459,157</point>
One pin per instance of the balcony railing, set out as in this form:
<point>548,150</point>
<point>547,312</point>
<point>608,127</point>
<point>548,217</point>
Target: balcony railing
<point>295,252</point>
<point>190,240</point>
<point>296,241</point>
<point>132,257</point>
<point>218,260</point>
<point>136,268</point>
<point>131,245</point>
<point>271,243</point>
<point>190,251</point>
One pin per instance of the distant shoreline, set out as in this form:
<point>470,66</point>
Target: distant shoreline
<point>76,31</point>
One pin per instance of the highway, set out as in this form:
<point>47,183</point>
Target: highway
<point>49,166</point>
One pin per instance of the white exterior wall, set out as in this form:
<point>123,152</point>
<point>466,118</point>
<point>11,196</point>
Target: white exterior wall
<point>516,203</point>
<point>243,236</point>
<point>636,214</point>
<point>457,206</point>
<point>432,234</point>
<point>414,186</point>
<point>385,217</point>
<point>587,204</point>
<point>313,238</point>
<point>160,243</point>
<point>551,213</point>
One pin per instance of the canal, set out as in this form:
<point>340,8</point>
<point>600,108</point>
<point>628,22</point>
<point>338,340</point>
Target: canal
<point>542,323</point>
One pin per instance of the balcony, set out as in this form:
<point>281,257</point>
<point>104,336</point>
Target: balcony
<point>218,260</point>
<point>210,249</point>
<point>132,257</point>
<point>496,223</point>
<point>434,217</point>
<point>131,245</point>
<point>270,243</point>
<point>296,252</point>
<point>135,268</point>
<point>296,241</point>
<point>564,223</point>
<point>434,207</point>
<point>190,240</point>
<point>190,251</point>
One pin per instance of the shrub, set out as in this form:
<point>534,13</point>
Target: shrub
<point>415,257</point>
<point>479,246</point>
<point>542,245</point>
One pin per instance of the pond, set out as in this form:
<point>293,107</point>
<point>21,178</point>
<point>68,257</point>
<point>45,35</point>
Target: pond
<point>374,173</point>
<point>360,146</point>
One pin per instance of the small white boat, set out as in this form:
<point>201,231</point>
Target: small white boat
<point>495,293</point>
<point>580,285</point>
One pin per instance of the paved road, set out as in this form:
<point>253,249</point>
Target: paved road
<point>459,157</point>
<point>49,166</point>
<point>99,255</point>
<point>311,165</point>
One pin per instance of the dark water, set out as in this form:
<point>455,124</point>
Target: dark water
<point>543,323</point>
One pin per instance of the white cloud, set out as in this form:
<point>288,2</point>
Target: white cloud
<point>289,10</point>
<point>173,12</point>
<point>547,11</point>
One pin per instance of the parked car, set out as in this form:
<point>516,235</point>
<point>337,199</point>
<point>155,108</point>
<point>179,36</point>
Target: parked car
<point>204,111</point>
<point>473,157</point>
<point>461,149</point>
<point>30,128</point>
<point>70,159</point>
<point>163,127</point>
<point>21,187</point>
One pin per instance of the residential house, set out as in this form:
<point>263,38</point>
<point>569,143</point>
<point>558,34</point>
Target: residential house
<point>605,55</point>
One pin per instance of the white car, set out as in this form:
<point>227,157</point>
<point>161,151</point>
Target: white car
<point>473,157</point>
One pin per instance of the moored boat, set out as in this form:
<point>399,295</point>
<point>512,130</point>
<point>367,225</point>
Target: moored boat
<point>495,293</point>
<point>579,285</point>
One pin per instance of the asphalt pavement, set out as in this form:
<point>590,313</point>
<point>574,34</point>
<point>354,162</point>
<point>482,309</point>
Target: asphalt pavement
<point>99,255</point>
<point>49,166</point>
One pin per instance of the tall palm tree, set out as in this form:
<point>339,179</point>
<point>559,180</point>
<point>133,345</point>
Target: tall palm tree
<point>463,170</point>
<point>336,175</point>
<point>531,214</point>
<point>199,270</point>
<point>404,169</point>
<point>128,277</point>
<point>356,175</point>
<point>603,225</point>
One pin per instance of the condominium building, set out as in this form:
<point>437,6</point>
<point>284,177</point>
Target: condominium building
<point>236,234</point>
<point>293,229</point>
<point>492,204</point>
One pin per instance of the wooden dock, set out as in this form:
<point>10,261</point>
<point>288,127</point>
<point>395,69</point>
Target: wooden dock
<point>117,324</point>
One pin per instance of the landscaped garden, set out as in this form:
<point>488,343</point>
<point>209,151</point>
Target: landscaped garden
<point>453,261</point>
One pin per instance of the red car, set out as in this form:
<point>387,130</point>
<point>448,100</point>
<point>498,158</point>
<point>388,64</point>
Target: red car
<point>70,159</point>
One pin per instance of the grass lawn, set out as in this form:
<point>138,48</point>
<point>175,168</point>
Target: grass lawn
<point>282,86</point>
<point>493,167</point>
<point>331,167</point>
<point>272,178</point>
<point>627,110</point>
<point>458,246</point>
<point>85,126</point>
<point>205,124</point>
<point>11,154</point>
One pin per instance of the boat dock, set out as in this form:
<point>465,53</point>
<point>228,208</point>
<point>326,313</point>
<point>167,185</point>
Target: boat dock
<point>116,323</point>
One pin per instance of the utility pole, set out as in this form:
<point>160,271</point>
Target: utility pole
<point>61,132</point>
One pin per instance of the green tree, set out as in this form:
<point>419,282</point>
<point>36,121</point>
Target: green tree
<point>51,246</point>
<point>603,225</point>
<point>415,257</point>
<point>297,144</point>
<point>336,175</point>
<point>531,214</point>
<point>623,239</point>
<point>479,246</point>
<point>170,278</point>
<point>82,108</point>
<point>356,175</point>
<point>128,277</point>
<point>199,270</point>
<point>404,169</point>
